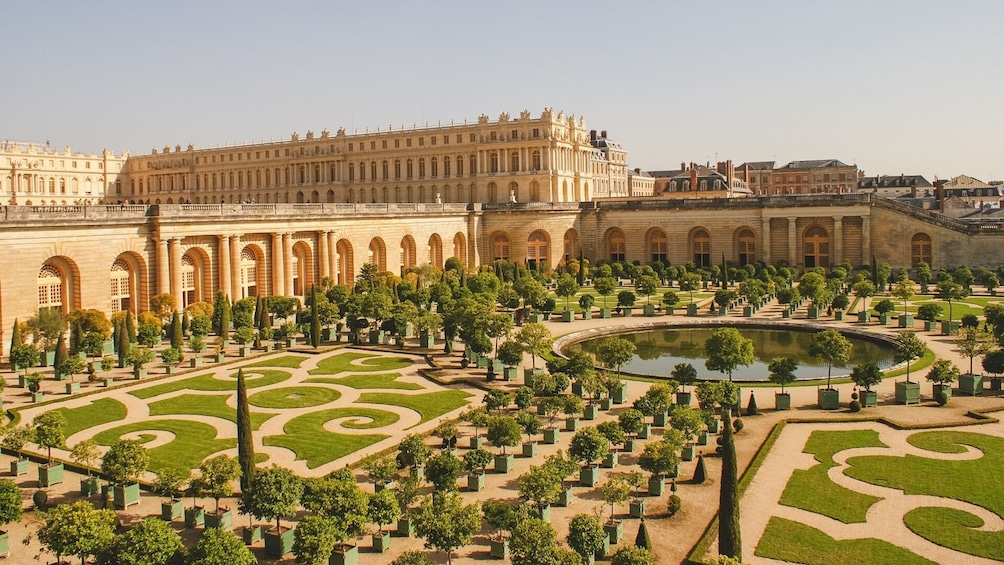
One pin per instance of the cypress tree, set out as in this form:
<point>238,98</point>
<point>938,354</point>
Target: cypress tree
<point>580,277</point>
<point>184,322</point>
<point>62,354</point>
<point>315,320</point>
<point>74,338</point>
<point>245,445</point>
<point>177,334</point>
<point>701,472</point>
<point>130,327</point>
<point>15,335</point>
<point>729,538</point>
<point>257,312</point>
<point>642,540</point>
<point>263,315</point>
<point>122,344</point>
<point>224,329</point>
<point>218,302</point>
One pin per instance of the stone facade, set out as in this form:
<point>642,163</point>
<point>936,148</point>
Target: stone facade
<point>34,174</point>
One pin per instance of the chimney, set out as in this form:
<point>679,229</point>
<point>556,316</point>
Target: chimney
<point>683,166</point>
<point>913,190</point>
<point>603,134</point>
<point>693,178</point>
<point>592,135</point>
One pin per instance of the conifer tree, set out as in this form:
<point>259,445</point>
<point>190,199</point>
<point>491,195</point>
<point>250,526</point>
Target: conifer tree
<point>257,311</point>
<point>729,538</point>
<point>15,335</point>
<point>177,333</point>
<point>263,315</point>
<point>218,301</point>
<point>642,540</point>
<point>701,472</point>
<point>315,320</point>
<point>122,339</point>
<point>61,354</point>
<point>224,331</point>
<point>245,444</point>
<point>130,327</point>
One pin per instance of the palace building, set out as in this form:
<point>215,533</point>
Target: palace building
<point>110,232</point>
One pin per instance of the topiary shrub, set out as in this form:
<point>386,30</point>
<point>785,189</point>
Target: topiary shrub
<point>642,540</point>
<point>738,425</point>
<point>701,472</point>
<point>855,406</point>
<point>40,498</point>
<point>674,505</point>
<point>854,396</point>
<point>751,408</point>
<point>941,398</point>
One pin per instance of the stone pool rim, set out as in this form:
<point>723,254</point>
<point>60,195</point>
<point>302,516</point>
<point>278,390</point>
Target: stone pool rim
<point>562,341</point>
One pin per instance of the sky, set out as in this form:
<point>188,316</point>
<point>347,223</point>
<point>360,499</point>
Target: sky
<point>913,86</point>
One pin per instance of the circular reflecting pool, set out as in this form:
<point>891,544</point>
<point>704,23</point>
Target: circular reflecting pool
<point>659,350</point>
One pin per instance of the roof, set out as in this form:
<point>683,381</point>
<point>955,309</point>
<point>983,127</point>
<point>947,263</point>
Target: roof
<point>603,142</point>
<point>964,182</point>
<point>815,164</point>
<point>665,174</point>
<point>894,181</point>
<point>757,165</point>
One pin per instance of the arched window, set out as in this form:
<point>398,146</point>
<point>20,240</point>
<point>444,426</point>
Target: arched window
<point>362,171</point>
<point>746,244</point>
<point>537,250</point>
<point>446,166</point>
<point>384,166</point>
<point>345,274</point>
<point>352,172</point>
<point>460,247</point>
<point>658,245</point>
<point>421,168</point>
<point>700,243</point>
<point>494,163</point>
<point>816,247</point>
<point>514,162</point>
<point>436,251</point>
<point>188,290</point>
<point>397,168</point>
<point>616,244</point>
<point>474,166</point>
<point>50,288</point>
<point>373,171</point>
<point>920,249</point>
<point>460,165</point>
<point>249,273</point>
<point>409,168</point>
<point>571,245</point>
<point>120,287</point>
<point>408,252</point>
<point>434,164</point>
<point>500,247</point>
<point>536,161</point>
<point>378,254</point>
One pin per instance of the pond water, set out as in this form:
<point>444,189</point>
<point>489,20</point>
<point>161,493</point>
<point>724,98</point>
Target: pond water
<point>659,350</point>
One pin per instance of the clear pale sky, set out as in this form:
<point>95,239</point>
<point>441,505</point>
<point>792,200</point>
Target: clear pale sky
<point>912,86</point>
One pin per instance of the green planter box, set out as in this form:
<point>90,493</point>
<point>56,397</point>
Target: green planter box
<point>567,315</point>
<point>606,403</point>
<point>782,401</point>
<point>477,442</point>
<point>884,319</point>
<point>702,438</point>
<point>476,482</point>
<point>683,398</point>
<point>565,498</point>
<point>222,520</point>
<point>169,370</point>
<point>195,362</point>
<point>108,381</point>
<point>907,393</point>
<point>530,449</point>
<point>930,325</point>
<point>906,321</point>
<point>692,309</point>
<point>89,486</point>
<point>949,328</point>
<point>426,341</point>
<point>291,341</point>
<point>786,313</point>
<point>590,412</point>
<point>571,424</point>
<point>37,396</point>
<point>869,398</point>
<point>946,388</point>
<point>51,474</point>
<point>278,543</point>
<point>828,398</point>
<point>971,385</point>
<point>864,317</point>
<point>21,381</point>
<point>251,535</point>
<point>626,312</point>
<point>629,444</point>
<point>381,542</point>
<point>723,310</point>
<point>244,351</point>
<point>587,314</point>
<point>619,395</point>
<point>72,388</point>
<point>614,530</point>
<point>688,452</point>
<point>646,431</point>
<point>716,426</point>
<point>535,318</point>
<point>4,544</point>
<point>139,373</point>
<point>125,496</point>
<point>509,373</point>
<point>19,467</point>
<point>637,509</point>
<point>611,460</point>
<point>660,420</point>
<point>195,517</point>
<point>482,362</point>
<point>649,310</point>
<point>171,510</point>
<point>551,436</point>
<point>589,476</point>
<point>405,527</point>
<point>499,548</point>
<point>813,313</point>
<point>747,311</point>
<point>604,313</point>
<point>656,486</point>
<point>603,551</point>
<point>504,463</point>
<point>417,471</point>
<point>838,315</point>
<point>375,337</point>
<point>347,555</point>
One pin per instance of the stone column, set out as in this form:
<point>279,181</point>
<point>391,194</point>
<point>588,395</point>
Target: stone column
<point>332,255</point>
<point>278,276</point>
<point>235,264</point>
<point>838,240</point>
<point>163,271</point>
<point>866,240</point>
<point>792,242</point>
<point>322,255</point>
<point>765,240</point>
<point>223,258</point>
<point>287,262</point>
<point>174,259</point>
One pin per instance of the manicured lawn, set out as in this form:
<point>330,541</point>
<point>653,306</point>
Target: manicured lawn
<point>812,490</point>
<point>343,362</point>
<point>254,379</point>
<point>305,435</point>
<point>293,397</point>
<point>101,411</point>
<point>790,541</point>
<point>367,381</point>
<point>214,405</point>
<point>193,442</point>
<point>975,481</point>
<point>286,361</point>
<point>430,405</point>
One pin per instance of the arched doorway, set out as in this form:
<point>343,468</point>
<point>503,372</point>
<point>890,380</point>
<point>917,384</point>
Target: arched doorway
<point>746,246</point>
<point>920,250</point>
<point>436,251</point>
<point>658,246</point>
<point>249,273</point>
<point>571,245</point>
<point>537,250</point>
<point>346,270</point>
<point>378,254</point>
<point>500,247</point>
<point>460,247</point>
<point>616,245</point>
<point>408,253</point>
<point>816,247</point>
<point>700,244</point>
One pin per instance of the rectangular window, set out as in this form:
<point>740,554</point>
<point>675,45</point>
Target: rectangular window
<point>421,141</point>
<point>372,145</point>
<point>350,147</point>
<point>397,143</point>
<point>432,140</point>
<point>473,137</point>
<point>460,139</point>
<point>536,132</point>
<point>515,134</point>
<point>407,142</point>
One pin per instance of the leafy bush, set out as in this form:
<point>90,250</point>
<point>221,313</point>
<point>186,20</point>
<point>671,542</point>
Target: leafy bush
<point>674,505</point>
